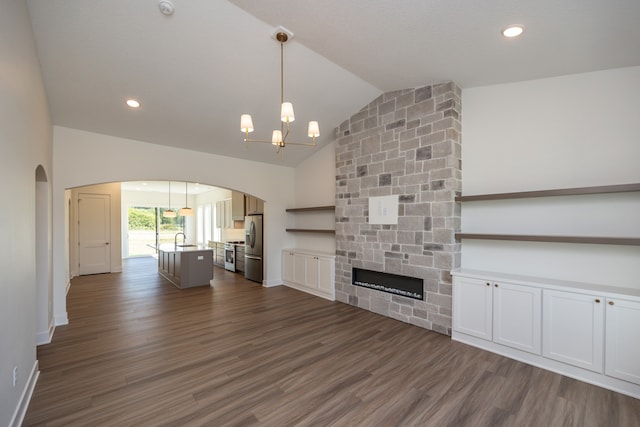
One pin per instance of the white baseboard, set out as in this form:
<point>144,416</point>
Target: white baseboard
<point>271,283</point>
<point>25,398</point>
<point>62,319</point>
<point>45,337</point>
<point>318,293</point>
<point>67,287</point>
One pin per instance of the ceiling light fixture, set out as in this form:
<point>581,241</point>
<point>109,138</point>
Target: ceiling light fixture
<point>279,137</point>
<point>133,103</point>
<point>169,213</point>
<point>513,31</point>
<point>186,211</point>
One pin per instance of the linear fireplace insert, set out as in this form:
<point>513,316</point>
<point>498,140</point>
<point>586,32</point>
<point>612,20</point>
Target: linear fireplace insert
<point>410,287</point>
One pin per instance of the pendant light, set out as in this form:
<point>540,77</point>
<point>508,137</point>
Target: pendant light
<point>169,213</point>
<point>279,136</point>
<point>186,211</point>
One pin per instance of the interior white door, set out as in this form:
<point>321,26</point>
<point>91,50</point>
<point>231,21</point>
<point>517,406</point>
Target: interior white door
<point>94,233</point>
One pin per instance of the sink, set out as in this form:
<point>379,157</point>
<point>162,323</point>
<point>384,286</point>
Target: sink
<point>186,246</point>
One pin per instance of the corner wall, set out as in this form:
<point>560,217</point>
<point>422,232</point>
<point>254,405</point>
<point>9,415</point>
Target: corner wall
<point>405,143</point>
<point>25,144</point>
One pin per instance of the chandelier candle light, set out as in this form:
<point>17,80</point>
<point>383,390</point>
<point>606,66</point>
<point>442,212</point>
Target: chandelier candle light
<point>279,137</point>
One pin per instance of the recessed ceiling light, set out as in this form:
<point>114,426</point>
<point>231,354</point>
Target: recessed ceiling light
<point>133,103</point>
<point>513,31</point>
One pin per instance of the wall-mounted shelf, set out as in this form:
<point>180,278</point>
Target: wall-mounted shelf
<point>312,208</point>
<point>629,241</point>
<point>622,188</point>
<point>310,230</point>
<point>581,191</point>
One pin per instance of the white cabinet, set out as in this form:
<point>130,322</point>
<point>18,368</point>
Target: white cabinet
<point>309,272</point>
<point>623,339</point>
<point>516,316</point>
<point>225,213</point>
<point>473,307</point>
<point>287,266</point>
<point>584,331</point>
<point>504,313</point>
<point>573,329</point>
<point>326,274</point>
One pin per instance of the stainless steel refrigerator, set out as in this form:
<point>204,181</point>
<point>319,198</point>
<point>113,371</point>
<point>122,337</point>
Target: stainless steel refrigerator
<point>253,247</point>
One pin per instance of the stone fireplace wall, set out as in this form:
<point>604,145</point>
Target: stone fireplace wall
<point>407,143</point>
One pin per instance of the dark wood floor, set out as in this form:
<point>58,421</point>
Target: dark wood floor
<point>139,352</point>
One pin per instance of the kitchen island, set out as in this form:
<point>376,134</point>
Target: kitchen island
<point>186,266</point>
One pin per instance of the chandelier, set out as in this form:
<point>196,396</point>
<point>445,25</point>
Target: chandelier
<point>279,136</point>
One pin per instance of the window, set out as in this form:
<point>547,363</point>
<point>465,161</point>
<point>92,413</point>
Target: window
<point>204,224</point>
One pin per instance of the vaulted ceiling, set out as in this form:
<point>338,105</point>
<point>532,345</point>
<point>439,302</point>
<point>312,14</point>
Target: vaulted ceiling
<point>196,71</point>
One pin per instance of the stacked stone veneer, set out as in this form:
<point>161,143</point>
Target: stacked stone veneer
<point>406,143</point>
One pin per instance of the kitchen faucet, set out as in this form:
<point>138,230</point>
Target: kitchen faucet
<point>184,238</point>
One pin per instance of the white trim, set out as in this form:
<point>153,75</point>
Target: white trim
<point>585,375</point>
<point>25,398</point>
<point>62,319</point>
<point>311,291</point>
<point>271,283</point>
<point>67,287</point>
<point>45,337</point>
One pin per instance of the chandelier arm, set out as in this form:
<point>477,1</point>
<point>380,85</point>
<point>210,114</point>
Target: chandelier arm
<point>257,140</point>
<point>308,144</point>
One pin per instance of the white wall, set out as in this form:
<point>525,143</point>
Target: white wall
<point>571,131</point>
<point>25,143</point>
<point>84,158</point>
<point>315,185</point>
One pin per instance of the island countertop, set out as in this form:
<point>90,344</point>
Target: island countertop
<point>168,247</point>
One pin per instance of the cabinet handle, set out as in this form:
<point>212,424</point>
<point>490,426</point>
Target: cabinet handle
<point>496,285</point>
<point>610,302</point>
<point>488,284</point>
<point>597,301</point>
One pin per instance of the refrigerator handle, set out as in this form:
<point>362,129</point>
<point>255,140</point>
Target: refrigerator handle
<point>252,257</point>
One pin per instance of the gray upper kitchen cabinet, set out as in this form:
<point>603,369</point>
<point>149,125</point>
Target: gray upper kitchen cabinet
<point>230,210</point>
<point>253,204</point>
<point>237,206</point>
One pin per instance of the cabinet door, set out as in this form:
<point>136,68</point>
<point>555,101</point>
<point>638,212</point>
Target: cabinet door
<point>237,206</point>
<point>287,266</point>
<point>622,358</point>
<point>228,218</point>
<point>325,274</point>
<point>299,268</point>
<point>311,266</point>
<point>472,306</point>
<point>573,329</point>
<point>220,214</point>
<point>516,316</point>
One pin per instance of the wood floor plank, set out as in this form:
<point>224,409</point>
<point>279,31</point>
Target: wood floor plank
<point>140,352</point>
